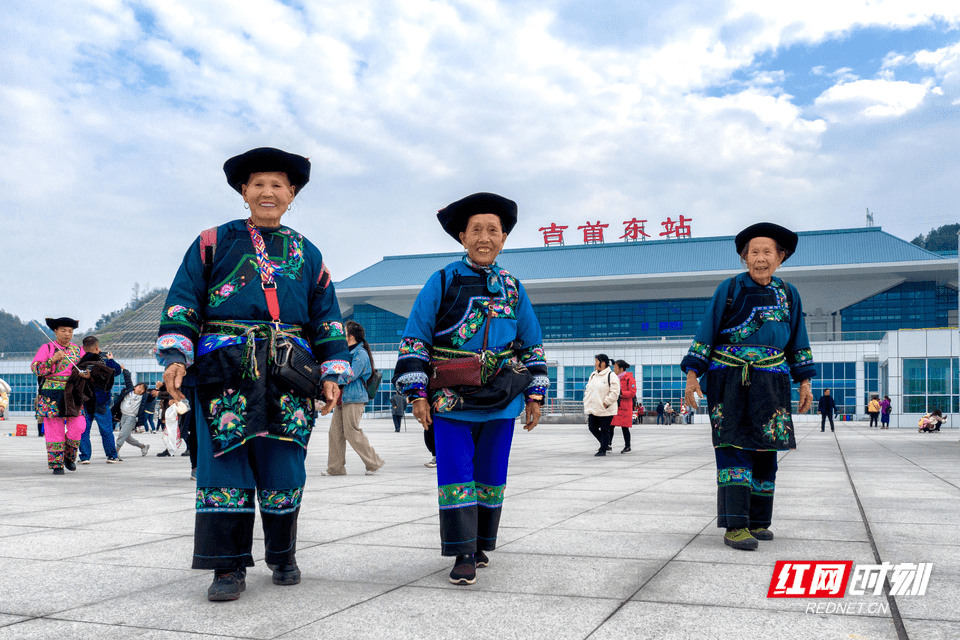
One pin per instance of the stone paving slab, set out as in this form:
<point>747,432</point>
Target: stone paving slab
<point>624,546</point>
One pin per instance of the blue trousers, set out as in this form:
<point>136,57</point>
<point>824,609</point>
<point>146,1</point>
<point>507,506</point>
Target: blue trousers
<point>472,462</point>
<point>105,424</point>
<point>745,485</point>
<point>271,469</point>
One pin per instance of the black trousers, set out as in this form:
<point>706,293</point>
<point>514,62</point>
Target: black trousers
<point>626,435</point>
<point>823,420</point>
<point>600,428</point>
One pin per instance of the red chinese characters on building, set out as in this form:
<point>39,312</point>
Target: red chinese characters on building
<point>678,228</point>
<point>552,234</point>
<point>593,233</point>
<point>633,230</point>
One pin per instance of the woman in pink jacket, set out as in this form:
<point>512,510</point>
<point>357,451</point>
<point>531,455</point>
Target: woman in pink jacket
<point>628,391</point>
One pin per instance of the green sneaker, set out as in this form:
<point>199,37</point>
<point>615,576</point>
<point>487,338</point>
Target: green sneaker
<point>740,539</point>
<point>762,533</point>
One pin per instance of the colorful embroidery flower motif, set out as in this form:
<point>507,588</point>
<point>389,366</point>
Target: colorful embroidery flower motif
<point>55,453</point>
<point>329,331</point>
<point>222,293</point>
<point>280,501</point>
<point>764,488</point>
<point>700,350</point>
<point>182,315</point>
<point>470,325</point>
<point>778,427</point>
<point>716,416</point>
<point>414,348</point>
<point>454,496</point>
<point>760,315</point>
<point>734,477</point>
<point>445,400</point>
<point>47,407</point>
<point>227,419</point>
<point>297,416</point>
<point>490,496</point>
<point>224,499</point>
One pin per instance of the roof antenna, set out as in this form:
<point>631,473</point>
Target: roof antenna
<point>869,218</point>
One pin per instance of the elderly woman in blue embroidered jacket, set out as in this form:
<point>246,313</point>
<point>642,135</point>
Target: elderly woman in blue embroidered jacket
<point>750,343</point>
<point>241,285</point>
<point>460,307</point>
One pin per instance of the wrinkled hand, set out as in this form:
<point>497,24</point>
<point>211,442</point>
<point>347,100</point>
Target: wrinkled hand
<point>693,390</point>
<point>806,397</point>
<point>331,391</point>
<point>532,415</point>
<point>58,356</point>
<point>421,411</point>
<point>173,378</point>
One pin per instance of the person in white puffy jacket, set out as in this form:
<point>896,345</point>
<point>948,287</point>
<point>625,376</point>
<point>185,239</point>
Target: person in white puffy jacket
<point>600,401</point>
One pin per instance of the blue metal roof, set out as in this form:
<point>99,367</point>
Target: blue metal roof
<point>815,248</point>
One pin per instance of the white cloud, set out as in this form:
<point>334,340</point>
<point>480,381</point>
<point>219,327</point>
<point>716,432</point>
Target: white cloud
<point>870,99</point>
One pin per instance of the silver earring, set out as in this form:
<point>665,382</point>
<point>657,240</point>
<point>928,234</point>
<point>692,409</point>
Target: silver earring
<point>246,205</point>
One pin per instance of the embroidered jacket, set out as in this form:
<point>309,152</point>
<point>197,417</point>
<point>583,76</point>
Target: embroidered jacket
<point>770,316</point>
<point>233,297</point>
<point>451,313</point>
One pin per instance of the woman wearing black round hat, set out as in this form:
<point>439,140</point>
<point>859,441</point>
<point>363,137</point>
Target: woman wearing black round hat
<point>474,317</point>
<point>751,342</point>
<point>55,362</point>
<point>243,286</point>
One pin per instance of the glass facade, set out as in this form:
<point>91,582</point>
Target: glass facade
<point>871,382</point>
<point>630,319</point>
<point>381,326</point>
<point>663,382</point>
<point>931,383</point>
<point>23,391</point>
<point>841,379</point>
<point>575,381</point>
<point>382,400</point>
<point>910,305</point>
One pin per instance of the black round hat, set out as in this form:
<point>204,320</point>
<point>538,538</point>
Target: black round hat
<point>453,217</point>
<point>238,168</point>
<point>56,323</point>
<point>783,236</point>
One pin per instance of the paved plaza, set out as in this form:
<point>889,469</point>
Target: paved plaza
<point>603,548</point>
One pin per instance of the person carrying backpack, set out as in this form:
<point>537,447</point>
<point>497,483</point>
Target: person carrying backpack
<point>345,425</point>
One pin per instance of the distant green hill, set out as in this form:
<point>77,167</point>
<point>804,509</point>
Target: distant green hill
<point>17,336</point>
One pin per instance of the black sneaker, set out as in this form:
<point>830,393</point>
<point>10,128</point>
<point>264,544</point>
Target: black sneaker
<point>228,584</point>
<point>600,453</point>
<point>482,559</point>
<point>185,454</point>
<point>626,450</point>
<point>464,570</point>
<point>58,471</point>
<point>163,454</point>
<point>286,574</point>
<point>114,460</point>
<point>70,465</point>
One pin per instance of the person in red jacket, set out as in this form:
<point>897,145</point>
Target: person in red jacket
<point>628,391</point>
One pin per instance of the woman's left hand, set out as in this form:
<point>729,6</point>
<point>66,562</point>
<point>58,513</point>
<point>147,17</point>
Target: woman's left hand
<point>806,397</point>
<point>331,391</point>
<point>532,415</point>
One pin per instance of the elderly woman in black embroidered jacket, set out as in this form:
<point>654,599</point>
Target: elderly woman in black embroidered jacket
<point>750,343</point>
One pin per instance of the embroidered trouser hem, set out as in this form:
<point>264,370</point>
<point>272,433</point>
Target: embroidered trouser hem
<point>745,487</point>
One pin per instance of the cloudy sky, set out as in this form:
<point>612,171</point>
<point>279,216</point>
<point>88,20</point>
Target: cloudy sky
<point>117,117</point>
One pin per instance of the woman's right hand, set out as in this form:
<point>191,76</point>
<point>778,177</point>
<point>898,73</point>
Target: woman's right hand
<point>421,411</point>
<point>173,378</point>
<point>57,357</point>
<point>693,390</point>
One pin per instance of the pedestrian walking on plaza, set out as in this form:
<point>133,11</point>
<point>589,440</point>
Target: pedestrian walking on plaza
<point>751,341</point>
<point>873,410</point>
<point>600,402</point>
<point>245,290</point>
<point>668,413</point>
<point>660,409</point>
<point>55,363</point>
<point>130,411</point>
<point>150,409</point>
<point>473,307</point>
<point>398,406</point>
<point>345,425</point>
<point>628,391</point>
<point>827,407</point>
<point>886,406</point>
<point>99,406</point>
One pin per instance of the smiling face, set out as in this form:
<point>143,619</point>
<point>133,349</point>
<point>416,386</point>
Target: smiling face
<point>268,193</point>
<point>762,259</point>
<point>64,335</point>
<point>483,238</point>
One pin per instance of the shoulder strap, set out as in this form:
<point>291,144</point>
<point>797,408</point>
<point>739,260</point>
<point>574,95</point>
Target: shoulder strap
<point>208,248</point>
<point>729,305</point>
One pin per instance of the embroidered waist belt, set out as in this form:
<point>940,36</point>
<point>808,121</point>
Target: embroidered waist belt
<point>490,361</point>
<point>228,332</point>
<point>747,358</point>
